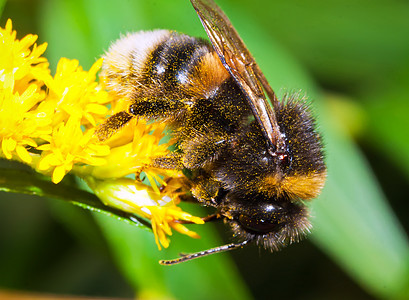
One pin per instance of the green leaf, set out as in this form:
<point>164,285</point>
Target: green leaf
<point>344,43</point>
<point>138,257</point>
<point>388,109</point>
<point>31,183</point>
<point>354,224</point>
<point>2,3</point>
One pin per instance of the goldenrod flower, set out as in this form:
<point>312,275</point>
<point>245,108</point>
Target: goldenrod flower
<point>132,151</point>
<point>74,92</point>
<point>69,145</point>
<point>138,198</point>
<point>18,62</point>
<point>49,123</point>
<point>165,218</point>
<point>19,123</point>
<point>21,73</point>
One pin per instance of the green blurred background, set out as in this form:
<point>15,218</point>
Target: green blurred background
<point>352,59</point>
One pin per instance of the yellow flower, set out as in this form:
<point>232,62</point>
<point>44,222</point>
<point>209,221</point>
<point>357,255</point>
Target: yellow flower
<point>56,118</point>
<point>67,146</point>
<point>135,197</point>
<point>19,123</point>
<point>74,92</point>
<point>165,218</point>
<point>132,150</point>
<point>21,73</point>
<point>18,62</point>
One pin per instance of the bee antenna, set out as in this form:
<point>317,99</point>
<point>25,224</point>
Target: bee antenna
<point>186,257</point>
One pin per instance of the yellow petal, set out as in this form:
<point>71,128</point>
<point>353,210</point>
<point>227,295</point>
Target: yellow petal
<point>97,108</point>
<point>29,142</point>
<point>182,229</point>
<point>8,146</point>
<point>9,25</point>
<point>23,154</point>
<point>152,183</point>
<point>6,152</point>
<point>100,150</point>
<point>96,161</point>
<point>162,238</point>
<point>28,40</point>
<point>39,50</point>
<point>58,174</point>
<point>95,67</point>
<point>45,147</point>
<point>155,233</point>
<point>44,163</point>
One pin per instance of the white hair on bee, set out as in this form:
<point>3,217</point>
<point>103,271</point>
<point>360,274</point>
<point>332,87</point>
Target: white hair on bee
<point>126,58</point>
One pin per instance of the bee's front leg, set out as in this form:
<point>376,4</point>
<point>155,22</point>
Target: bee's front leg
<point>156,107</point>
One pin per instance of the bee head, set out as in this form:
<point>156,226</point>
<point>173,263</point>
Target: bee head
<point>270,222</point>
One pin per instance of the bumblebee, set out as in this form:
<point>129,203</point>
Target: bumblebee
<point>255,163</point>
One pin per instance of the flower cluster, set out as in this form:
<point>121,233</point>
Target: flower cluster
<point>38,111</point>
<point>22,73</point>
<point>48,122</point>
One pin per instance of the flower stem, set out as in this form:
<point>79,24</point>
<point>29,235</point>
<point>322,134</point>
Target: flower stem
<point>32,183</point>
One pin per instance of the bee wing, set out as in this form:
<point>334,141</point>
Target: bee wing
<point>241,65</point>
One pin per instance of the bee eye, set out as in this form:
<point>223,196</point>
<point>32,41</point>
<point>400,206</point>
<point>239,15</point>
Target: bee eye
<point>259,225</point>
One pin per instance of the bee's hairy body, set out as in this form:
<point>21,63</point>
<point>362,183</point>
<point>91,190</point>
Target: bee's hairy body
<point>180,80</point>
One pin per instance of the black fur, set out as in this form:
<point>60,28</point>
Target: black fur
<point>223,147</point>
<point>172,61</point>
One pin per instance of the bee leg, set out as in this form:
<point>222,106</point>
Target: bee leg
<point>112,125</point>
<point>201,149</point>
<point>206,190</point>
<point>172,161</point>
<point>187,198</point>
<point>156,108</point>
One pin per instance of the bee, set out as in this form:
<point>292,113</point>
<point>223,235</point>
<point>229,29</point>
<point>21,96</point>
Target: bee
<point>257,164</point>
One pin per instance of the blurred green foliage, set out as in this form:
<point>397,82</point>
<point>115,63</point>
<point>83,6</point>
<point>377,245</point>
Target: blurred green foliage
<point>350,57</point>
